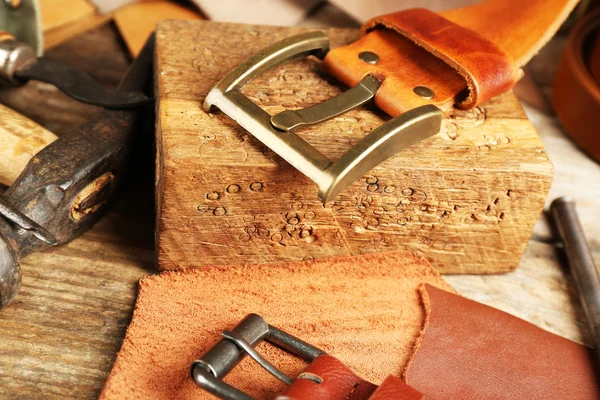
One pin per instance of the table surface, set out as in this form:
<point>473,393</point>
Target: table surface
<point>61,335</point>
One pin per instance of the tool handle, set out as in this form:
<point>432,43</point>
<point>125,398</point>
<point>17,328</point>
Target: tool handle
<point>5,36</point>
<point>581,262</point>
<point>20,140</point>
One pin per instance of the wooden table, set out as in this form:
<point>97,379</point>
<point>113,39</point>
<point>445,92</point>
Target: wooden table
<point>61,335</point>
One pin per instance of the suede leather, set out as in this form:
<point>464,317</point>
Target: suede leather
<point>466,56</point>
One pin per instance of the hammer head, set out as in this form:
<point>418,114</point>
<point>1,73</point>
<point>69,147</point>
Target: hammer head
<point>10,270</point>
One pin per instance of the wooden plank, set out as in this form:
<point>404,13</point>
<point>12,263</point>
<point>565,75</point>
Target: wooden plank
<point>60,336</point>
<point>466,200</point>
<point>57,13</point>
<point>136,21</point>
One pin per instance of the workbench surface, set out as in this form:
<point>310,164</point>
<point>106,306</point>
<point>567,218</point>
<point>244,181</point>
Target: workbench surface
<point>61,335</point>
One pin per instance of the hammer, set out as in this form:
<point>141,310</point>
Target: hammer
<point>64,188</point>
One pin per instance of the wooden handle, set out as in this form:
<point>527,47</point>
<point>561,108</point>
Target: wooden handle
<point>5,36</point>
<point>20,140</point>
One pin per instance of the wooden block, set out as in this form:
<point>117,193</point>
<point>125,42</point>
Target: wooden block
<point>466,199</point>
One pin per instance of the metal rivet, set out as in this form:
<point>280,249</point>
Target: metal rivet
<point>311,377</point>
<point>369,57</point>
<point>14,4</point>
<point>424,92</point>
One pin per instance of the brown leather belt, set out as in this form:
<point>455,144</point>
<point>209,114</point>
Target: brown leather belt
<point>413,64</point>
<point>576,91</point>
<point>325,378</point>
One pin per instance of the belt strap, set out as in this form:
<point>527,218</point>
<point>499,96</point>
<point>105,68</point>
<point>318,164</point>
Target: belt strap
<point>576,91</point>
<point>327,378</point>
<point>461,57</point>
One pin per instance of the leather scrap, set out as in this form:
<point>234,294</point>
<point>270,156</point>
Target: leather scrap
<point>364,310</point>
<point>472,351</point>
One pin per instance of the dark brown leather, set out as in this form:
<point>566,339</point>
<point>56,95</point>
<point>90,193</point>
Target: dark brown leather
<point>472,351</point>
<point>576,91</point>
<point>465,56</point>
<point>327,378</point>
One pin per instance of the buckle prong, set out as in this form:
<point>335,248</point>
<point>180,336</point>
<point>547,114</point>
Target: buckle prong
<point>351,98</point>
<point>332,177</point>
<point>208,371</point>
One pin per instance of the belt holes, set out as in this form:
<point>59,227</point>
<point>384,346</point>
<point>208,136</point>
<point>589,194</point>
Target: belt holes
<point>311,377</point>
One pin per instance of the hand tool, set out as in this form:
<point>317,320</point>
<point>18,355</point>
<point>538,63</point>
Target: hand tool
<point>412,64</point>
<point>65,188</point>
<point>581,262</point>
<point>326,378</point>
<point>20,140</point>
<point>19,64</point>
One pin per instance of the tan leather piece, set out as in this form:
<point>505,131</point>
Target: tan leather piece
<point>487,69</point>
<point>408,64</point>
<point>519,31</point>
<point>472,351</point>
<point>334,304</point>
<point>338,382</point>
<point>576,90</point>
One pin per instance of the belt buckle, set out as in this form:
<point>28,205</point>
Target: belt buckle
<point>275,132</point>
<point>208,371</point>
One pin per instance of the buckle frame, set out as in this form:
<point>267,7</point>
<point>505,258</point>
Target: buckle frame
<point>276,132</point>
<point>210,369</point>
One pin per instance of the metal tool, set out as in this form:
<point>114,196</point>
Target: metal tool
<point>581,263</point>
<point>65,188</point>
<point>208,371</point>
<point>276,132</point>
<point>19,64</point>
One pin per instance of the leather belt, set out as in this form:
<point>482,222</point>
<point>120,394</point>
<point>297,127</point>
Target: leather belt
<point>326,378</point>
<point>413,64</point>
<point>576,91</point>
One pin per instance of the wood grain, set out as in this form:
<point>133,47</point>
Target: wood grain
<point>61,335</point>
<point>57,13</point>
<point>138,20</point>
<point>20,139</point>
<point>467,199</point>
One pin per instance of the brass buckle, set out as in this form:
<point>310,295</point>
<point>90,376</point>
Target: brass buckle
<point>208,371</point>
<point>276,132</point>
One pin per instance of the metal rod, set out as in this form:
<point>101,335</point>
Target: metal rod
<point>270,368</point>
<point>344,102</point>
<point>581,263</point>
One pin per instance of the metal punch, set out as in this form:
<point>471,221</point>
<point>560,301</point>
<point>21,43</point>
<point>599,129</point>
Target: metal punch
<point>208,371</point>
<point>65,188</point>
<point>581,263</point>
<point>276,132</point>
<point>19,64</point>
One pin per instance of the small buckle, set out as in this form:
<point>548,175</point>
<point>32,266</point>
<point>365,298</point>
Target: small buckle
<point>208,371</point>
<point>275,132</point>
